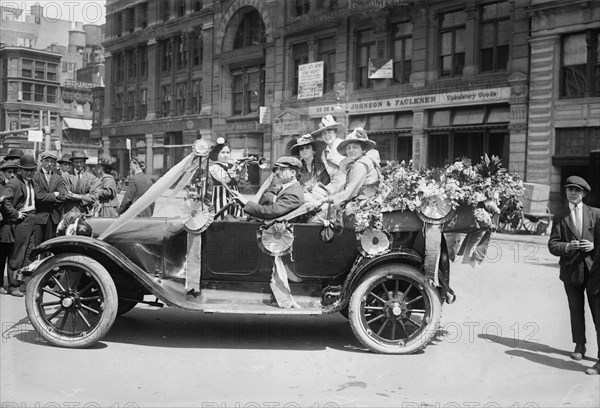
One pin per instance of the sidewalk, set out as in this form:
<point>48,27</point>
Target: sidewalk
<point>521,237</point>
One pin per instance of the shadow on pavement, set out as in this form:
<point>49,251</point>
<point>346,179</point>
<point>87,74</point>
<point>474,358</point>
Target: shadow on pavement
<point>531,351</point>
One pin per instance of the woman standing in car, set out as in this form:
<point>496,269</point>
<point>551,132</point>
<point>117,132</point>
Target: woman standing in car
<point>222,174</point>
<point>313,170</point>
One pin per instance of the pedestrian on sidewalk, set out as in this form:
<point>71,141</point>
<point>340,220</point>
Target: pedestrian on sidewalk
<point>573,239</point>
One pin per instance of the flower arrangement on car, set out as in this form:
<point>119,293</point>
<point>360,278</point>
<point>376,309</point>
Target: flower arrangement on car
<point>487,187</point>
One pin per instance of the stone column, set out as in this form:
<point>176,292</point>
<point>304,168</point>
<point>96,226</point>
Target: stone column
<point>153,77</point>
<point>188,38</point>
<point>149,154</point>
<point>519,97</point>
<point>419,140</point>
<point>471,44</point>
<point>109,93</point>
<point>207,67</point>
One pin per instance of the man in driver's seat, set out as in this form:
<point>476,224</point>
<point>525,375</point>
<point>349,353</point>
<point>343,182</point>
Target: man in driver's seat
<point>282,197</point>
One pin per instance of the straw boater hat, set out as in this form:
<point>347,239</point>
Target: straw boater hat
<point>304,140</point>
<point>328,122</point>
<point>14,154</point>
<point>27,162</point>
<point>358,135</point>
<point>66,158</point>
<point>78,154</point>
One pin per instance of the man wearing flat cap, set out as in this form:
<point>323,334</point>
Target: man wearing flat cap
<point>282,197</point>
<point>50,193</point>
<point>8,170</point>
<point>572,239</point>
<point>20,207</point>
<point>82,186</point>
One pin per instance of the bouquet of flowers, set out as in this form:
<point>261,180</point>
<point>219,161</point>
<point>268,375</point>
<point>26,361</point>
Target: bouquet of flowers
<point>493,193</point>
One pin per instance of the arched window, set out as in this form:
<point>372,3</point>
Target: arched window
<point>251,30</point>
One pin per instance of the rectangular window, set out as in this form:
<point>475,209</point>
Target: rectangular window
<point>27,91</point>
<point>402,51</point>
<point>166,55</point>
<point>131,64</point>
<point>300,7</point>
<point>180,7</point>
<point>452,43</point>
<point>143,15</point>
<point>495,36</point>
<point>165,106</point>
<point>129,19</point>
<point>197,5</point>
<point>143,58</point>
<point>326,53</point>
<point>130,105</point>
<point>577,141</point>
<point>40,67</point>
<point>118,67</point>
<point>27,68</point>
<point>165,10</point>
<point>180,98</point>
<point>39,93</point>
<point>118,107</point>
<point>197,49</point>
<point>51,94</point>
<point>299,57</point>
<point>365,49</point>
<point>327,5</point>
<point>118,20</point>
<point>248,88</point>
<point>196,95</point>
<point>51,71</point>
<point>143,103</point>
<point>181,51</point>
<point>580,65</point>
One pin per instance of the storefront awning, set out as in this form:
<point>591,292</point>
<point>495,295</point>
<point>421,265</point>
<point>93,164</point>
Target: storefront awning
<point>75,123</point>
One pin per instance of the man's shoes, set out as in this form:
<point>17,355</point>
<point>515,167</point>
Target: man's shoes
<point>594,370</point>
<point>15,292</point>
<point>3,291</point>
<point>579,352</point>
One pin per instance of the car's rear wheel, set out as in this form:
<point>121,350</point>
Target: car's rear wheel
<point>395,310</point>
<point>72,301</point>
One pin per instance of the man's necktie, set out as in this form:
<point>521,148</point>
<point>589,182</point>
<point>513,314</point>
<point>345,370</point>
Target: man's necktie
<point>30,194</point>
<point>577,219</point>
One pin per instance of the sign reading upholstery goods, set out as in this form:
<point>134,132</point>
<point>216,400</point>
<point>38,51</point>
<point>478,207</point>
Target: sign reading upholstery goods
<point>431,100</point>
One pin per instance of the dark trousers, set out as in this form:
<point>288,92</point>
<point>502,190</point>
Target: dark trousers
<point>576,298</point>
<point>24,243</point>
<point>44,232</point>
<point>5,249</point>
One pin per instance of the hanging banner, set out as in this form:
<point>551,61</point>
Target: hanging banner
<point>35,136</point>
<point>310,80</point>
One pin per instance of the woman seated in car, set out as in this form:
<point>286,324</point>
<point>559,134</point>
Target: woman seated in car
<point>362,173</point>
<point>313,170</point>
<point>222,174</point>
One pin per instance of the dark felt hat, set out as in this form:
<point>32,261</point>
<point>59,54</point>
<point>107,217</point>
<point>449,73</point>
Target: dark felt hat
<point>9,164</point>
<point>27,162</point>
<point>576,181</point>
<point>66,158</point>
<point>14,154</point>
<point>78,154</point>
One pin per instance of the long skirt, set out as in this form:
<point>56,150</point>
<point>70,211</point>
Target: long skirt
<point>221,197</point>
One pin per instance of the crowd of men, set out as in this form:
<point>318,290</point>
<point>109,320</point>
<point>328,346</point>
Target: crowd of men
<point>35,196</point>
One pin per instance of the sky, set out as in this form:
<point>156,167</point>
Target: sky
<point>84,11</point>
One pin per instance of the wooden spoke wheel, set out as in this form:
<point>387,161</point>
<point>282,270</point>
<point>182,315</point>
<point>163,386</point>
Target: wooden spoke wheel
<point>509,226</point>
<point>395,310</point>
<point>72,301</point>
<point>536,224</point>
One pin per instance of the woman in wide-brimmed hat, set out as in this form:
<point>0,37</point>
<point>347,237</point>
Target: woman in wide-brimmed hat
<point>313,170</point>
<point>107,193</point>
<point>328,132</point>
<point>363,172</point>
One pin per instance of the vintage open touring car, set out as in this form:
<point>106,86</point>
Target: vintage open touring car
<point>79,284</point>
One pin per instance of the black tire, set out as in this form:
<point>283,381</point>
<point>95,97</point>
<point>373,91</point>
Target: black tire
<point>128,300</point>
<point>395,310</point>
<point>344,312</point>
<point>71,301</point>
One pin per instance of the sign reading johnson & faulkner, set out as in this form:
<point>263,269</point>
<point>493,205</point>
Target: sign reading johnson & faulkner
<point>437,100</point>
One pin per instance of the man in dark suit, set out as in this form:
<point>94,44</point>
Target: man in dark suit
<point>82,187</point>
<point>19,206</point>
<point>572,239</point>
<point>284,196</point>
<point>50,193</point>
<point>139,183</point>
<point>8,169</point>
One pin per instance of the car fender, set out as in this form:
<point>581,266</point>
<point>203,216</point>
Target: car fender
<point>362,267</point>
<point>116,262</point>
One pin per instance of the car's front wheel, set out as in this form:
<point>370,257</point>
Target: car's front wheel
<point>72,301</point>
<point>395,310</point>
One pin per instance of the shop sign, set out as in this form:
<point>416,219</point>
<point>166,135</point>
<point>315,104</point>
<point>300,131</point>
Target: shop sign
<point>432,100</point>
<point>310,80</point>
<point>237,127</point>
<point>78,96</point>
<point>381,68</point>
<point>288,127</point>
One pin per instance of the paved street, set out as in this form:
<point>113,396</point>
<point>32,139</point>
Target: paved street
<point>505,342</point>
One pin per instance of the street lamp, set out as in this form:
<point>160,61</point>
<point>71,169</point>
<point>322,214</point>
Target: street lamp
<point>341,90</point>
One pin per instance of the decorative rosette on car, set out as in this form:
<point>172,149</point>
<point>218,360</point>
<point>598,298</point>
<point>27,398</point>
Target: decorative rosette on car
<point>200,148</point>
<point>199,216</point>
<point>436,210</point>
<point>372,242</point>
<point>276,239</point>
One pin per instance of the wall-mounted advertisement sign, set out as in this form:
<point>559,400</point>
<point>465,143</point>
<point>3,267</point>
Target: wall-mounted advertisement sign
<point>310,80</point>
<point>381,68</point>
